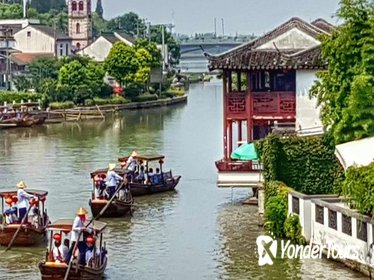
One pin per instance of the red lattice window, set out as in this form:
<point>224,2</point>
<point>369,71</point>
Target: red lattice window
<point>236,103</point>
<point>74,6</point>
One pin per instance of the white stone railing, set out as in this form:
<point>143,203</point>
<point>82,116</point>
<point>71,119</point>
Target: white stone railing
<point>299,203</point>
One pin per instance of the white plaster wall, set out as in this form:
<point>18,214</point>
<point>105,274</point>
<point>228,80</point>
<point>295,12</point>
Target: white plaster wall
<point>37,42</point>
<point>292,39</point>
<point>307,113</point>
<point>98,50</point>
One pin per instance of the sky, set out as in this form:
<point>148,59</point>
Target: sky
<point>240,16</point>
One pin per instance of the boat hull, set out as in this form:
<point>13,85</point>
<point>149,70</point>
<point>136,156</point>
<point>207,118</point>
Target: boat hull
<point>27,236</point>
<point>138,189</point>
<point>57,271</point>
<point>116,209</point>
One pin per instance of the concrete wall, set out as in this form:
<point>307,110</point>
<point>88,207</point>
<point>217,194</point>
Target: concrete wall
<point>307,113</point>
<point>30,40</point>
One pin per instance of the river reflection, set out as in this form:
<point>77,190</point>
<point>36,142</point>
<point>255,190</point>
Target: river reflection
<point>196,232</point>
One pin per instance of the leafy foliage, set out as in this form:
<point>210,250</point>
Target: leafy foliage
<point>358,187</point>
<point>307,164</point>
<point>10,11</point>
<point>276,204</point>
<point>9,97</point>
<point>292,229</point>
<point>129,22</point>
<point>345,90</point>
<point>44,6</point>
<point>122,62</point>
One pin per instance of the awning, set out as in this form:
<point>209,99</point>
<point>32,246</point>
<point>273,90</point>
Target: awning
<point>245,152</point>
<point>359,153</point>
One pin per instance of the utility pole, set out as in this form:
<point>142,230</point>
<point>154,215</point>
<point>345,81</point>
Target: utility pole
<point>163,56</point>
<point>8,70</point>
<point>223,27</point>
<point>215,27</point>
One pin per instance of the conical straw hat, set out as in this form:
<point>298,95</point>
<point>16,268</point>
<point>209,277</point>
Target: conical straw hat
<point>111,166</point>
<point>21,185</point>
<point>81,211</point>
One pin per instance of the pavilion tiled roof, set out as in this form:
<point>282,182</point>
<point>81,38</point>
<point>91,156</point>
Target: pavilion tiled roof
<point>247,56</point>
<point>26,58</point>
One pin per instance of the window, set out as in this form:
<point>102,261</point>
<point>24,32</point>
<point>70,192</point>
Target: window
<point>67,49</point>
<point>78,28</point>
<point>28,33</point>
<point>80,5</point>
<point>279,80</point>
<point>78,46</point>
<point>74,6</point>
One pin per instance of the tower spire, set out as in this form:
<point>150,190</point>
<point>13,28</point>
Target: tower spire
<point>99,9</point>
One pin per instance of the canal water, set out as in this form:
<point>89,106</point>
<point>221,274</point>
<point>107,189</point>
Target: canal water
<point>197,232</point>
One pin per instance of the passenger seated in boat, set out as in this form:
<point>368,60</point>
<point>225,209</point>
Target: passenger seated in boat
<point>90,252</point>
<point>65,249</point>
<point>9,217</point>
<point>57,253</point>
<point>149,175</point>
<point>112,180</point>
<point>141,177</point>
<point>156,178</point>
<point>35,220</point>
<point>100,187</point>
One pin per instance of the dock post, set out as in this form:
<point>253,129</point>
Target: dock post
<point>261,204</point>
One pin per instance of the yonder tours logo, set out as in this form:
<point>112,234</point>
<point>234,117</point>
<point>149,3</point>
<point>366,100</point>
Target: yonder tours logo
<point>267,249</point>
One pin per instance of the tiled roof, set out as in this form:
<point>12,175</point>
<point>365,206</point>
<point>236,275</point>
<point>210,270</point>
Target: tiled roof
<point>26,58</point>
<point>324,25</point>
<point>247,56</point>
<point>60,35</point>
<point>112,37</point>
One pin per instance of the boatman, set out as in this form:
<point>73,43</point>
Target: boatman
<point>131,165</point>
<point>112,179</point>
<point>77,228</point>
<point>23,201</point>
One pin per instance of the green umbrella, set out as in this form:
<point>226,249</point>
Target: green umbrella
<point>245,152</point>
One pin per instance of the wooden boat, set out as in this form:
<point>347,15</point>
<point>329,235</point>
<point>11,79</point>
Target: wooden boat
<point>29,115</point>
<point>50,269</point>
<point>167,181</point>
<point>119,207</point>
<point>31,233</point>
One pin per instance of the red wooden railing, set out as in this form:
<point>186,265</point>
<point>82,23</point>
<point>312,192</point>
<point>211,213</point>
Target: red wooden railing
<point>277,103</point>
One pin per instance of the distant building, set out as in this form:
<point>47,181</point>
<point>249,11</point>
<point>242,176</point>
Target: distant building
<point>100,48</point>
<point>36,38</point>
<point>266,83</point>
<point>80,23</point>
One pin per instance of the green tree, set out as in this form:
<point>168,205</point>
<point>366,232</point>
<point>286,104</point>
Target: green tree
<point>130,23</point>
<point>121,62</point>
<point>99,9</point>
<point>44,6</point>
<point>173,46</point>
<point>155,53</point>
<point>345,90</point>
<point>98,25</point>
<point>10,11</point>
<point>41,69</point>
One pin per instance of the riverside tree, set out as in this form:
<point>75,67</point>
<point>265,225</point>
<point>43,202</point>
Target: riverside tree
<point>122,62</point>
<point>346,90</point>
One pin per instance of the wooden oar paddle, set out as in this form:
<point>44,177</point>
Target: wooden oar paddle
<point>20,226</point>
<point>95,218</point>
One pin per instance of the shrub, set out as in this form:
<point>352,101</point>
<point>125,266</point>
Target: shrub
<point>276,206</point>
<point>145,98</point>
<point>275,215</point>
<point>307,164</point>
<point>173,92</point>
<point>292,229</point>
<point>61,105</point>
<point>358,188</point>
<point>9,97</point>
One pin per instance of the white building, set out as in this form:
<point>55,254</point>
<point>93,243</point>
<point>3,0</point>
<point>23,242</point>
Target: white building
<point>101,47</point>
<point>36,38</point>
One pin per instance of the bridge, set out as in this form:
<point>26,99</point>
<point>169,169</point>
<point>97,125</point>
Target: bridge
<point>192,57</point>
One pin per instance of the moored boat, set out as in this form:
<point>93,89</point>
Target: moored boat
<point>30,233</point>
<point>95,269</point>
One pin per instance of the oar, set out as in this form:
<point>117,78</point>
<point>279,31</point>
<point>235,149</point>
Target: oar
<point>93,219</point>
<point>20,226</point>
